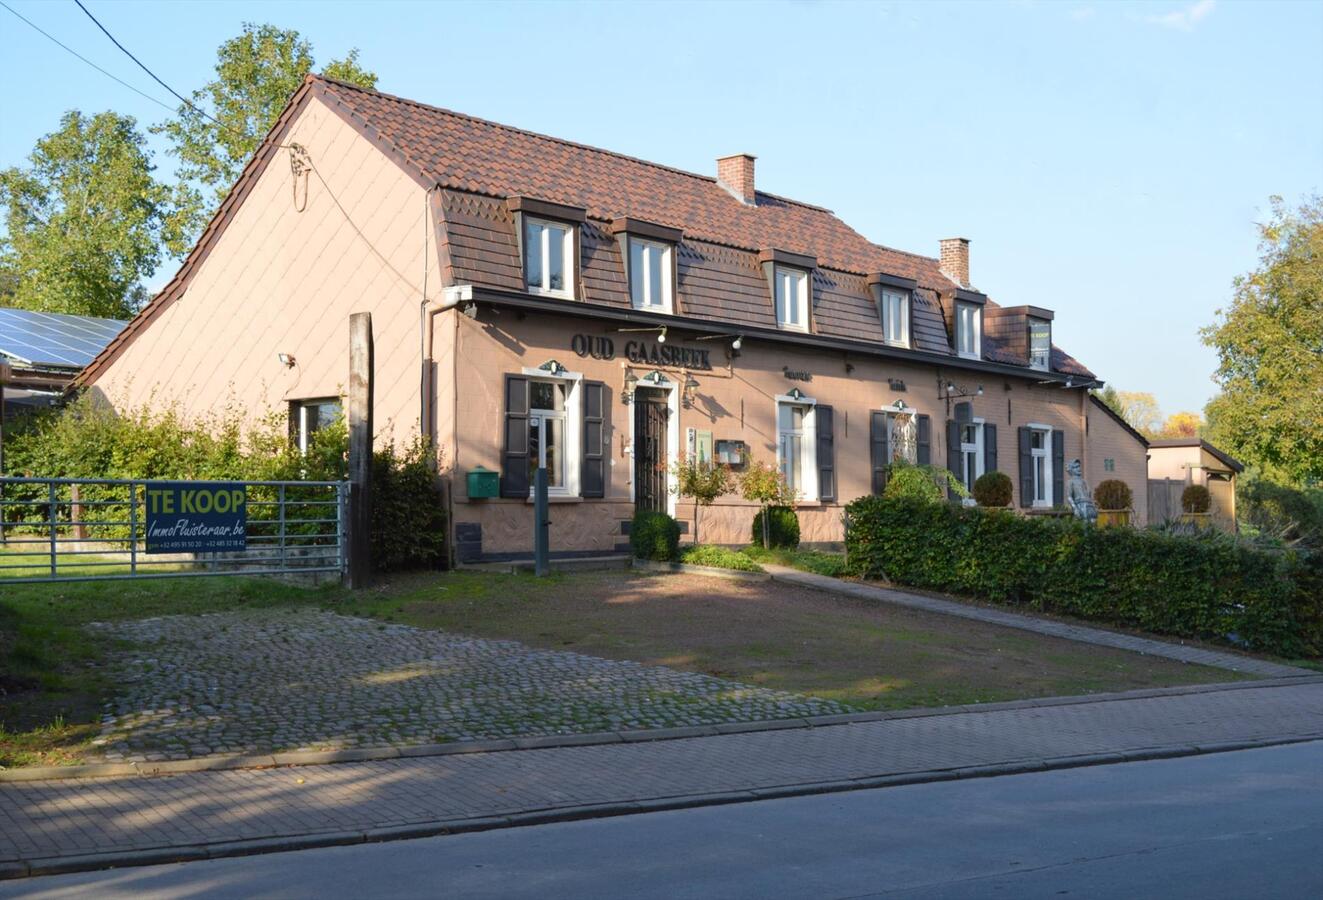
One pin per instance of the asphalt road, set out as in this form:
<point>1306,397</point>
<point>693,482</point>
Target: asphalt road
<point>1242,824</point>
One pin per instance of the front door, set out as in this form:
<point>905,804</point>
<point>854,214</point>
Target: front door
<point>650,415</point>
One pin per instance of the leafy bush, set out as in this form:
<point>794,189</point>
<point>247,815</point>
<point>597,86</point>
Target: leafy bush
<point>782,527</point>
<point>408,518</point>
<point>921,482</point>
<point>654,535</point>
<point>702,482</point>
<point>1113,494</point>
<point>766,485</point>
<point>993,489</point>
<point>718,557</point>
<point>1210,586</point>
<point>1281,513</point>
<point>1196,499</point>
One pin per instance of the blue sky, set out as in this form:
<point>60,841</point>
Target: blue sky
<point>1107,160</point>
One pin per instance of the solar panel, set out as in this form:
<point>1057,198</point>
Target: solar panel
<point>54,339</point>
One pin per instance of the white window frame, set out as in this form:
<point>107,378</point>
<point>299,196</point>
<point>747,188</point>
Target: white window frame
<point>1044,363</point>
<point>783,277</point>
<point>573,418</point>
<point>302,434</point>
<point>1046,473</point>
<point>969,323</point>
<point>808,449</point>
<point>976,451</point>
<point>544,255</point>
<point>640,282</point>
<point>901,301</point>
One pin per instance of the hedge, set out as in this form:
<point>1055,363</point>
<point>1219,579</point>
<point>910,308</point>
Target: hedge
<point>782,527</point>
<point>654,535</point>
<point>1210,586</point>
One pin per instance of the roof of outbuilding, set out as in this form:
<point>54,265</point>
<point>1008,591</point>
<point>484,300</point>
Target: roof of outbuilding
<point>1222,456</point>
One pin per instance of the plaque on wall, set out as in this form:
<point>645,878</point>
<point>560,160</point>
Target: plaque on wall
<point>732,453</point>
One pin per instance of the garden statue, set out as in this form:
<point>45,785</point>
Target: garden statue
<point>1078,496</point>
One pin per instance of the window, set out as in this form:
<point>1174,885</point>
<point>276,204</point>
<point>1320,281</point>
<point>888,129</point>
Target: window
<point>307,417</point>
<point>796,448</point>
<point>791,298</point>
<point>1040,449</point>
<point>650,275</point>
<point>903,437</point>
<point>969,328</point>
<point>547,433</point>
<point>1040,343</point>
<point>549,257</point>
<point>896,317</point>
<point>1109,464</point>
<point>971,453</point>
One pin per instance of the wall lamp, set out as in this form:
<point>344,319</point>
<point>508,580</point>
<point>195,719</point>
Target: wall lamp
<point>660,329</point>
<point>631,382</point>
<point>953,390</point>
<point>690,387</point>
<point>735,344</point>
<point>286,360</point>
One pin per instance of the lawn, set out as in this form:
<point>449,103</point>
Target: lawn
<point>773,635</point>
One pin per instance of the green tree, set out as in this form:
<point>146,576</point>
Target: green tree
<point>85,220</point>
<point>1269,345</point>
<point>765,485</point>
<point>701,481</point>
<point>256,73</point>
<point>1139,408</point>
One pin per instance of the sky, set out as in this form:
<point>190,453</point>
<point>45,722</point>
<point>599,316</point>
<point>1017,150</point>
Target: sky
<point>1108,161</point>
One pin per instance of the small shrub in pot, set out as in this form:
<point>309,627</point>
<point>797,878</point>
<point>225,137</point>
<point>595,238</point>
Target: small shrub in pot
<point>1113,494</point>
<point>1196,499</point>
<point>993,489</point>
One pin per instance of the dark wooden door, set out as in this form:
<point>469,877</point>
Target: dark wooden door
<point>649,453</point>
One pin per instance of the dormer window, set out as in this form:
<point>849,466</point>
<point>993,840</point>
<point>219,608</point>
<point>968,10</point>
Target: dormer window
<point>896,317</point>
<point>969,323</point>
<point>548,257</point>
<point>1040,344</point>
<point>791,298</point>
<point>650,275</point>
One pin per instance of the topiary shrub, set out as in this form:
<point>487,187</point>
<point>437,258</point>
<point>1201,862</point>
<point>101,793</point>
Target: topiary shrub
<point>782,527</point>
<point>993,489</point>
<point>1196,499</point>
<point>654,535</point>
<point>1113,494</point>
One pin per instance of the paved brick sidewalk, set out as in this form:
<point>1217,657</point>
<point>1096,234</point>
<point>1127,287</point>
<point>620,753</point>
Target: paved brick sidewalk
<point>66,825</point>
<point>1082,633</point>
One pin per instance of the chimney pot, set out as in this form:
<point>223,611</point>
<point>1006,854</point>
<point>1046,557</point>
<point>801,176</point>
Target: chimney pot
<point>735,174</point>
<point>955,260</point>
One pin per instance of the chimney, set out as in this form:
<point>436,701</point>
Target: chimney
<point>735,174</point>
<point>955,260</point>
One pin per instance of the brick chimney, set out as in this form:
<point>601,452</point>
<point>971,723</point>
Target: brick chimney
<point>735,174</point>
<point>955,260</point>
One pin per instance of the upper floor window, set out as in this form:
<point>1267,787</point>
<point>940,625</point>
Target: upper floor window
<point>650,275</point>
<point>896,317</point>
<point>1040,344</point>
<point>791,298</point>
<point>969,330</point>
<point>549,257</point>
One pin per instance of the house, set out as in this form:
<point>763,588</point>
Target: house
<point>538,302</point>
<point>1184,461</point>
<point>1117,450</point>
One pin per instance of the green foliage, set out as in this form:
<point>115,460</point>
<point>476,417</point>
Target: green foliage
<point>1210,586</point>
<point>993,489</point>
<point>1196,499</point>
<point>815,561</point>
<point>256,73</point>
<point>408,517</point>
<point>1280,513</point>
<point>702,482</point>
<point>84,222</point>
<point>765,485</point>
<point>654,535</point>
<point>1269,342</point>
<point>1113,494</point>
<point>782,527</point>
<point>926,483</point>
<point>718,557</point>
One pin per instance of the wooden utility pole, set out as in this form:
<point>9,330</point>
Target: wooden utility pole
<point>360,449</point>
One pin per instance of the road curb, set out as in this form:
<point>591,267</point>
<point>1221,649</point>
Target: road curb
<point>553,741</point>
<point>95,861</point>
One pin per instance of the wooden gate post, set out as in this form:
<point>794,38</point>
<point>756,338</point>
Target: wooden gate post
<point>360,449</point>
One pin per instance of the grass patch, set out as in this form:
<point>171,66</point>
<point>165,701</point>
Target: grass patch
<point>815,561</point>
<point>718,557</point>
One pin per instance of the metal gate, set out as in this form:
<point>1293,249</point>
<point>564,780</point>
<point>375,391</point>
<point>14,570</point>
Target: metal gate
<point>650,423</point>
<point>68,529</point>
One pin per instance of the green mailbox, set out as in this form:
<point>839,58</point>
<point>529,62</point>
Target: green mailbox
<point>484,483</point>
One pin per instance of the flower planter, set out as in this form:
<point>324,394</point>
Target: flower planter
<point>1202,520</point>
<point>1110,517</point>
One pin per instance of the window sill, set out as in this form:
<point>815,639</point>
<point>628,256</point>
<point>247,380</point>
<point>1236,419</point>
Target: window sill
<point>558,498</point>
<point>555,295</point>
<point>969,355</point>
<point>801,329</point>
<point>904,345</point>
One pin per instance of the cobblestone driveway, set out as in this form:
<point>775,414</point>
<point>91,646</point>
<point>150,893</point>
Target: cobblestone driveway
<point>270,680</point>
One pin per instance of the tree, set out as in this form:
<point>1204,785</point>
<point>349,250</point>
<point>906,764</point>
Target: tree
<point>701,481</point>
<point>1141,410</point>
<point>85,221</point>
<point>1269,345</point>
<point>1182,425</point>
<point>256,73</point>
<point>765,485</point>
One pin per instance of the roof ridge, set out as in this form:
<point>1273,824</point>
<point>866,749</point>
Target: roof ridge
<point>548,137</point>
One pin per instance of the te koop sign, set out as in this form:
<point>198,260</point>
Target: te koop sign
<point>196,517</point>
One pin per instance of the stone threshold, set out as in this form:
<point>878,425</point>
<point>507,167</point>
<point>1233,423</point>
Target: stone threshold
<point>543,742</point>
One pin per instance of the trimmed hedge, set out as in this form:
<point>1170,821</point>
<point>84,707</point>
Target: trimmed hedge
<point>1113,494</point>
<point>993,489</point>
<point>782,527</point>
<point>1210,587</point>
<point>1196,499</point>
<point>654,535</point>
